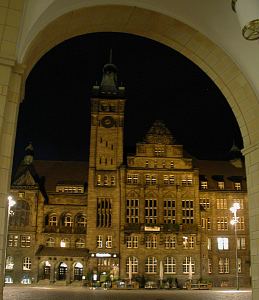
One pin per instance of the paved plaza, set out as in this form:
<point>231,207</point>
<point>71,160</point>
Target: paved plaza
<point>81,293</point>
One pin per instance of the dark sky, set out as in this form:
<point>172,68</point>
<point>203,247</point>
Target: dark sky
<point>160,84</point>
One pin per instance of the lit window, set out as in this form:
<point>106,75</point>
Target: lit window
<point>224,265</point>
<point>50,242</point>
<point>12,240</point>
<point>150,211</point>
<point>129,178</point>
<point>222,223</point>
<point>9,263</point>
<point>148,179</point>
<point>26,263</point>
<point>133,261</point>
<point>241,243</point>
<point>221,185</point>
<point>99,179</point>
<point>172,164</point>
<point>171,179</point>
<point>21,214</point>
<point>222,204</point>
<point>108,242</point>
<point>112,180</point>
<point>65,243</point>
<point>166,179</point>
<point>135,178</point>
<point>222,243</point>
<point>25,241</point>
<point>151,265</point>
<point>209,243</point>
<point>99,241</point>
<point>241,223</point>
<point>205,203</point>
<point>170,265</point>
<point>170,241</point>
<point>68,222</point>
<point>53,220</point>
<point>80,243</point>
<point>8,279</point>
<point>151,241</point>
<point>209,265</point>
<point>240,202</point>
<point>237,186</point>
<point>188,265</point>
<point>188,242</point>
<point>105,180</point>
<point>204,185</point>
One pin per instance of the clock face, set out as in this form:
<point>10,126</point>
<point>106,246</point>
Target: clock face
<point>107,121</point>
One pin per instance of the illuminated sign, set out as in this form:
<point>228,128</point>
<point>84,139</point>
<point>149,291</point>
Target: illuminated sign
<point>152,228</point>
<point>103,255</point>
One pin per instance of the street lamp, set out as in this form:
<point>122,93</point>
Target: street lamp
<point>234,222</point>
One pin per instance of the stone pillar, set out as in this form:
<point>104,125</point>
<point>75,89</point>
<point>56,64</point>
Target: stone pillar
<point>252,171</point>
<point>10,84</point>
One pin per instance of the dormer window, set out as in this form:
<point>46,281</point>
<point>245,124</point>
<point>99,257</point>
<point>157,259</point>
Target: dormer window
<point>204,185</point>
<point>221,185</point>
<point>237,186</point>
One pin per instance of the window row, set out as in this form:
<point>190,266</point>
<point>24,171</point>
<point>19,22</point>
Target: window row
<point>14,240</point>
<point>151,241</point>
<point>223,243</point>
<point>73,189</point>
<point>105,180</point>
<point>152,179</point>
<point>66,220</point>
<point>166,266</point>
<point>151,211</point>
<point>26,263</point>
<point>65,243</point>
<point>220,185</point>
<point>224,265</point>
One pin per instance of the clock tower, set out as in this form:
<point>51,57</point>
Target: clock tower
<point>105,171</point>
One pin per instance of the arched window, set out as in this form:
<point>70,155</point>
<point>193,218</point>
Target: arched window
<point>151,265</point>
<point>132,262</point>
<point>188,265</point>
<point>53,220</point>
<point>9,263</point>
<point>65,243</point>
<point>80,243</point>
<point>26,263</point>
<point>80,220</point>
<point>20,213</point>
<point>68,222</point>
<point>50,242</point>
<point>78,271</point>
<point>170,265</point>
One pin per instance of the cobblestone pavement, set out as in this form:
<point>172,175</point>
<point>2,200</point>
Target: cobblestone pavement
<point>81,293</point>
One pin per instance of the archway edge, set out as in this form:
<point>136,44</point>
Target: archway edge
<point>166,30</point>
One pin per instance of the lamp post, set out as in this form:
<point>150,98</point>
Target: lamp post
<point>234,222</point>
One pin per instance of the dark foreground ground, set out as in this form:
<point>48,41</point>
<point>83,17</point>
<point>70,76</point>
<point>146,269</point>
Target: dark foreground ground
<point>82,293</point>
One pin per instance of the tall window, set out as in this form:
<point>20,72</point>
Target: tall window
<point>204,185</point>
<point>169,211</point>
<point>99,242</point>
<point>239,265</point>
<point>187,180</point>
<point>209,265</point>
<point>12,240</point>
<point>132,241</point>
<point>53,221</point>
<point>222,223</point>
<point>9,263</point>
<point>151,265</point>
<point>26,263</point>
<point>205,203</point>
<point>108,243</point>
<point>222,243</point>
<point>188,263</point>
<point>68,222</point>
<point>209,243</point>
<point>240,202</point>
<point>222,204</point>
<point>80,220</point>
<point>224,265</point>
<point>241,243</point>
<point>132,211</point>
<point>187,212</point>
<point>170,265</point>
<point>104,212</point>
<point>25,241</point>
<point>151,241</point>
<point>188,242</point>
<point>50,242</point>
<point>170,241</point>
<point>221,185</point>
<point>133,261</point>
<point>241,223</point>
<point>150,211</point>
<point>21,214</point>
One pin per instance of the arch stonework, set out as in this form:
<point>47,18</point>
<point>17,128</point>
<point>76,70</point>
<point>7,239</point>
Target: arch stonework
<point>166,30</point>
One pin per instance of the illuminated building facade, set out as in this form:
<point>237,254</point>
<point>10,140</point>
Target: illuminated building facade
<point>159,214</point>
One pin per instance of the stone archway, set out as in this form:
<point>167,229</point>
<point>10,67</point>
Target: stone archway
<point>168,31</point>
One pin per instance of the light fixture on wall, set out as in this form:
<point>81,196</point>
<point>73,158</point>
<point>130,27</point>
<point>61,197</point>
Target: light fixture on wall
<point>248,15</point>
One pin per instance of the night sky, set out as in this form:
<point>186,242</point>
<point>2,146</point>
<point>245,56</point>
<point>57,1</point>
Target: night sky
<point>160,84</point>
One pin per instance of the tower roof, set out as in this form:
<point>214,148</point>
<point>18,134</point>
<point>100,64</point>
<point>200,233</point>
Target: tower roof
<point>159,134</point>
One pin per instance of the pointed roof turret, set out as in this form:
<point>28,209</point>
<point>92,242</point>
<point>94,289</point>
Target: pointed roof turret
<point>109,85</point>
<point>159,134</point>
<point>235,156</point>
